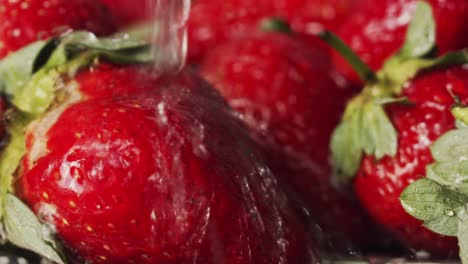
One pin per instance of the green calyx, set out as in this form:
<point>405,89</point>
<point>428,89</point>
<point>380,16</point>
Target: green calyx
<point>365,127</point>
<point>441,199</point>
<point>31,80</point>
<point>29,76</point>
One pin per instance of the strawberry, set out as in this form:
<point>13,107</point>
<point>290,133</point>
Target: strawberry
<point>380,183</point>
<point>376,30</point>
<point>129,166</point>
<point>128,12</point>
<point>312,16</point>
<point>24,22</point>
<point>440,199</point>
<point>291,104</point>
<point>384,140</point>
<point>207,28</point>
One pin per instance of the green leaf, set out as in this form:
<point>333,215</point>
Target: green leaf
<point>396,72</point>
<point>119,50</point>
<point>460,114</point>
<point>435,204</point>
<point>462,235</point>
<point>39,93</point>
<point>17,68</point>
<point>452,146</point>
<point>142,31</point>
<point>346,148</point>
<point>24,230</point>
<point>451,58</point>
<point>450,168</point>
<point>366,128</point>
<point>80,40</point>
<point>378,136</point>
<point>11,156</point>
<point>75,51</point>
<point>420,36</point>
<point>453,174</point>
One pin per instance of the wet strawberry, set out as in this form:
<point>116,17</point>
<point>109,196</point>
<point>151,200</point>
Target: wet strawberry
<point>207,28</point>
<point>26,21</point>
<point>383,142</point>
<point>127,12</point>
<point>291,103</point>
<point>380,183</point>
<point>312,16</point>
<point>376,29</point>
<point>133,167</point>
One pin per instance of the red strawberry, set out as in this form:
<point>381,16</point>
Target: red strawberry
<point>26,21</point>
<point>312,16</point>
<point>132,167</point>
<point>207,28</point>
<point>213,22</point>
<point>377,29</point>
<point>127,12</point>
<point>380,183</point>
<point>291,103</point>
<point>386,133</point>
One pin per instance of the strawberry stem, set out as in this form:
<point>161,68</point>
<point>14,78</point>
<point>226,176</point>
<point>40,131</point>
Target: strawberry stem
<point>365,72</point>
<point>275,24</point>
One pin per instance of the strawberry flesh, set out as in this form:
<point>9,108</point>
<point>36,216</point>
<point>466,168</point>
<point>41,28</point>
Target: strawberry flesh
<point>144,170</point>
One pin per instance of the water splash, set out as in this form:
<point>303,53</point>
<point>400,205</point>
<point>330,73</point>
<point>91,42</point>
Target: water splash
<point>170,34</point>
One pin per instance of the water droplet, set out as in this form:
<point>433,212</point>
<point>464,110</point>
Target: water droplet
<point>450,213</point>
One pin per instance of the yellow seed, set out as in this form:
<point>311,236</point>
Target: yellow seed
<point>65,222</point>
<point>103,257</point>
<point>106,247</point>
<point>89,228</point>
<point>72,204</point>
<point>45,195</point>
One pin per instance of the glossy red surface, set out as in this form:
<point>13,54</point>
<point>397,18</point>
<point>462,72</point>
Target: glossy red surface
<point>312,16</point>
<point>291,98</point>
<point>376,29</point>
<point>380,183</point>
<point>26,21</point>
<point>127,12</point>
<point>156,170</point>
<point>212,22</point>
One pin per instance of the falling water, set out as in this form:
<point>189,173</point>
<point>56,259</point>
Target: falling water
<point>170,34</point>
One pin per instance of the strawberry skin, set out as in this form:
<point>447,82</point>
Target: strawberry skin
<point>377,29</point>
<point>127,12</point>
<point>312,16</point>
<point>26,21</point>
<point>380,183</point>
<point>207,28</point>
<point>274,80</point>
<point>144,171</point>
<point>292,104</point>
